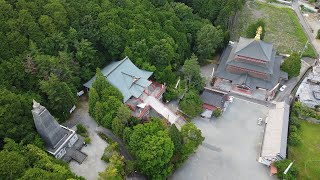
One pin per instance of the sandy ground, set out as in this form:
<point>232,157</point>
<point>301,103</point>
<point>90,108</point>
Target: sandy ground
<point>231,146</point>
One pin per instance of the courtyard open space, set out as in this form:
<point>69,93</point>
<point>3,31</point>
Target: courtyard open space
<point>231,146</point>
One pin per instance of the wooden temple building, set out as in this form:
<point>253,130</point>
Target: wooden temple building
<point>251,64</point>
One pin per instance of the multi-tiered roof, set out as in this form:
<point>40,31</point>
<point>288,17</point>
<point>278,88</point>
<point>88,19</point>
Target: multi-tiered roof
<point>252,63</point>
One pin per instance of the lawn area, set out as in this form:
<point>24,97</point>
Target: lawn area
<point>282,27</point>
<point>307,155</point>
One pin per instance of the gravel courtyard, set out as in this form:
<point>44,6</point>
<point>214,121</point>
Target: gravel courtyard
<point>231,146</point>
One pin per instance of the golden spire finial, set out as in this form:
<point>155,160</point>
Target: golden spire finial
<point>259,32</point>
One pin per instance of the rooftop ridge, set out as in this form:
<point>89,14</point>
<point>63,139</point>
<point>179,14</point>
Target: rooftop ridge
<point>123,60</point>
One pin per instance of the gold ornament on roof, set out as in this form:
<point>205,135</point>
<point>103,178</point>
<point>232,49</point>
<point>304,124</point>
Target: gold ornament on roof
<point>259,32</point>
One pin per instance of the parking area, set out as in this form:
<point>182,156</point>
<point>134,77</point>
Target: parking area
<point>231,146</point>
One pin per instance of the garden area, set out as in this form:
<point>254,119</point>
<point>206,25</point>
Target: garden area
<point>282,27</point>
<point>304,142</point>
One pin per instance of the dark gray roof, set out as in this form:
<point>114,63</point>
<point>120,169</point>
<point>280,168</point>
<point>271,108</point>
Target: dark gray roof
<point>126,77</point>
<point>250,81</point>
<point>264,68</point>
<point>48,128</point>
<point>214,98</point>
<point>253,48</point>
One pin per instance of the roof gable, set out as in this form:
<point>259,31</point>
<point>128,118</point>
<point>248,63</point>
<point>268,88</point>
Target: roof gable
<point>126,77</point>
<point>253,48</point>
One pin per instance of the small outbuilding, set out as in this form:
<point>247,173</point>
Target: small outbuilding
<point>213,99</point>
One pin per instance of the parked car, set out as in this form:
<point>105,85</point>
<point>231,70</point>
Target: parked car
<point>283,88</point>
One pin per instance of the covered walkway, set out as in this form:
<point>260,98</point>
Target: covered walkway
<point>158,106</point>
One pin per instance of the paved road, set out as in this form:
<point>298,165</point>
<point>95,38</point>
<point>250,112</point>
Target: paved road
<point>291,84</point>
<point>306,27</point>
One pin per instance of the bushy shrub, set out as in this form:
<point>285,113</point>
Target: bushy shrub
<point>217,112</point>
<point>294,139</point>
<point>292,65</point>
<point>293,129</point>
<point>87,140</point>
<point>252,29</point>
<point>129,167</point>
<point>282,166</point>
<point>191,104</point>
<point>81,130</point>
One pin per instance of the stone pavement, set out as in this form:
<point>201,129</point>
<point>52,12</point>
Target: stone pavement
<point>93,164</point>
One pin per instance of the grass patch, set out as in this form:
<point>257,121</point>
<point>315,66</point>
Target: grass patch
<point>307,155</point>
<point>282,27</point>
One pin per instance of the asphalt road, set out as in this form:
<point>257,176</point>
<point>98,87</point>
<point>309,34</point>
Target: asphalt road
<point>291,84</point>
<point>306,27</point>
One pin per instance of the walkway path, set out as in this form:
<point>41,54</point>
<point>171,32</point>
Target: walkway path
<point>91,166</point>
<point>165,111</point>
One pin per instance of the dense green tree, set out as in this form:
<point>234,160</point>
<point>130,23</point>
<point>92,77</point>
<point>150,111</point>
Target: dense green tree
<point>93,99</point>
<point>16,120</point>
<point>176,138</point>
<point>86,56</point>
<point>12,165</point>
<point>192,138</point>
<point>282,166</point>
<point>31,162</point>
<point>191,104</point>
<point>292,65</point>
<point>153,149</point>
<point>121,120</point>
<point>252,29</point>
<point>100,83</point>
<point>192,73</point>
<point>217,112</point>
<point>209,40</point>
<point>60,98</point>
<point>115,169</point>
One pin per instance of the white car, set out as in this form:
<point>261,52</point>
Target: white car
<point>283,88</point>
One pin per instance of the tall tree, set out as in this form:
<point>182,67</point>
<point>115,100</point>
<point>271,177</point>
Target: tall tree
<point>192,138</point>
<point>209,40</point>
<point>192,73</point>
<point>153,148</point>
<point>191,104</point>
<point>60,97</point>
<point>292,65</point>
<point>16,120</point>
<point>176,138</point>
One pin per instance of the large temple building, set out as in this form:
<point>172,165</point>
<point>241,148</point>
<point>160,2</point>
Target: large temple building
<point>249,65</point>
<point>62,142</point>
<point>139,92</point>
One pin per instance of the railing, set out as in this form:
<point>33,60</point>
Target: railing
<point>144,111</point>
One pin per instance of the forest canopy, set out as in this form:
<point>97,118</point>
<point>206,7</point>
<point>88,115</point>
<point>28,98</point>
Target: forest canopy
<point>49,48</point>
